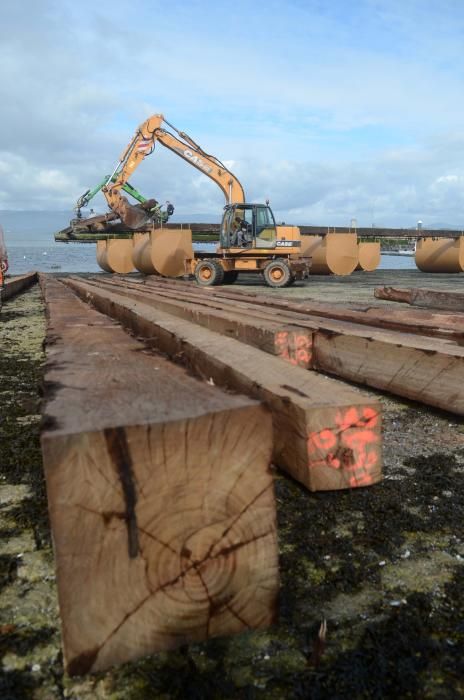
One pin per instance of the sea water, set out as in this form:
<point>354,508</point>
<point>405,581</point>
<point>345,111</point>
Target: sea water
<point>30,243</point>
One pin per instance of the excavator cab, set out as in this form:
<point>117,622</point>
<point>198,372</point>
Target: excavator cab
<point>248,226</point>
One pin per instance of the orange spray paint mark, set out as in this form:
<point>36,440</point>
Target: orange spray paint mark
<point>295,347</point>
<point>352,446</point>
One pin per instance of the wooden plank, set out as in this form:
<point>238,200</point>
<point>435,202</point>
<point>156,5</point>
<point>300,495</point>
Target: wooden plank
<point>15,285</point>
<point>419,321</point>
<point>416,367</point>
<point>415,321</point>
<point>428,298</point>
<point>326,435</point>
<point>160,495</point>
<point>290,342</point>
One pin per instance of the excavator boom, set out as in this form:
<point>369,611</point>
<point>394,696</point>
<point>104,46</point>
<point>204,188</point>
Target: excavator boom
<point>143,143</point>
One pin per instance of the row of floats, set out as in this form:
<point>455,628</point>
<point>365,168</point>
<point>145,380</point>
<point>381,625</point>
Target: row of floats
<point>164,252</point>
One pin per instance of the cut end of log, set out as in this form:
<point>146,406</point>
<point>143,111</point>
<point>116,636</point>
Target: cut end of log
<point>347,453</point>
<point>160,496</point>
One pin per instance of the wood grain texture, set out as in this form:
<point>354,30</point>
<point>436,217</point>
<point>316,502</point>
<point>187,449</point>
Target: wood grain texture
<point>160,496</point>
<point>420,321</point>
<point>418,367</point>
<point>427,298</point>
<point>326,435</point>
<point>276,337</point>
<point>16,285</point>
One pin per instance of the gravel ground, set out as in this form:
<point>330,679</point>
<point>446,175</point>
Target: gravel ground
<point>383,566</point>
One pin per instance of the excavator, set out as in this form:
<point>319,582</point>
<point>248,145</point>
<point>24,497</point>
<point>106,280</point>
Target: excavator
<point>250,240</point>
<point>153,211</point>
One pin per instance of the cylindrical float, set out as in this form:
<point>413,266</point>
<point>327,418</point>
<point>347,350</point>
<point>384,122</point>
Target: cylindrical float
<point>163,252</point>
<point>334,253</point>
<point>101,256</point>
<point>141,254</point>
<point>368,256</point>
<point>115,255</point>
<point>440,254</point>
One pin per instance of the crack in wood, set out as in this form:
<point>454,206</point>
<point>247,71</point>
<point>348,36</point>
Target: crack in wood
<point>294,390</point>
<point>118,449</point>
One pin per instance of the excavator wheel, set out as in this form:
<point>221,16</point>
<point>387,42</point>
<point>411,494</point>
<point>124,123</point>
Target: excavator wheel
<point>230,276</point>
<point>277,274</point>
<point>209,273</point>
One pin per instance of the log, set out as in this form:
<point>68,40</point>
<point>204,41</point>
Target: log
<point>427,298</point>
<point>326,435</point>
<point>424,369</point>
<point>279,338</point>
<point>15,285</point>
<point>160,495</point>
<point>423,322</point>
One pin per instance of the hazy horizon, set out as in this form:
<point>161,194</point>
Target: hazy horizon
<point>38,227</point>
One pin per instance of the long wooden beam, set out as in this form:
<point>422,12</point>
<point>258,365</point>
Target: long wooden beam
<point>160,495</point>
<point>15,285</point>
<point>417,367</point>
<point>427,298</point>
<point>274,336</point>
<point>326,435</point>
<point>424,322</point>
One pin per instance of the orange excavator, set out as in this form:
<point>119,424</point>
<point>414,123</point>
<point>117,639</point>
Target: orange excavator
<point>143,144</point>
<point>250,240</point>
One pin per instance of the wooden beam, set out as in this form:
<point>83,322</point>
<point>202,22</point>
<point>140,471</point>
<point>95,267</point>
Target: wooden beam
<point>417,367</point>
<point>278,338</point>
<point>15,285</point>
<point>160,495</point>
<point>423,322</point>
<point>427,298</point>
<point>326,435</point>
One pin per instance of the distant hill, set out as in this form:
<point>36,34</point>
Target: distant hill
<point>439,226</point>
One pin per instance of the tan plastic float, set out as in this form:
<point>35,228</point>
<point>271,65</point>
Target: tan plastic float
<point>141,254</point>
<point>368,256</point>
<point>163,252</point>
<point>101,256</point>
<point>115,255</point>
<point>440,254</point>
<point>334,253</point>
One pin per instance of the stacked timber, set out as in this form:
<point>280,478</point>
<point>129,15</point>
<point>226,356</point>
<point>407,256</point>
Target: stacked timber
<point>15,285</point>
<point>414,353</point>
<point>326,435</point>
<point>425,298</point>
<point>160,495</point>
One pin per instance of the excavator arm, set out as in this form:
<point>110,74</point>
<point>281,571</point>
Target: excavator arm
<point>143,143</point>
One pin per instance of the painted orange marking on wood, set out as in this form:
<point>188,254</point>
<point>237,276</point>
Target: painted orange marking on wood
<point>351,447</point>
<point>294,347</point>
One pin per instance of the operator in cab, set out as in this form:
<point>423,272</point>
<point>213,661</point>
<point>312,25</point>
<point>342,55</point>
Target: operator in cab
<point>241,233</point>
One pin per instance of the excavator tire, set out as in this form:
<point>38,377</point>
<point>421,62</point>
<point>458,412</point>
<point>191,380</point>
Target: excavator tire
<point>230,276</point>
<point>209,273</point>
<point>277,274</point>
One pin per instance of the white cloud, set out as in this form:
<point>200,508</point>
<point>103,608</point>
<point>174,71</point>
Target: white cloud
<point>334,113</point>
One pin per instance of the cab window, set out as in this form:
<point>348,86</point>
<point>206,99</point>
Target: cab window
<point>265,228</point>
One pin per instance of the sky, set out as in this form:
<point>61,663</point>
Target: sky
<point>331,110</point>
